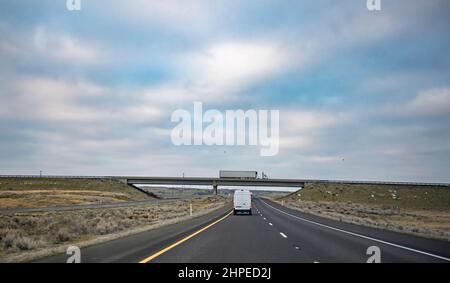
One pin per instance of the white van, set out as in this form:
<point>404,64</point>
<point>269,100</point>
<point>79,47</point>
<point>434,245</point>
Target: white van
<point>242,201</point>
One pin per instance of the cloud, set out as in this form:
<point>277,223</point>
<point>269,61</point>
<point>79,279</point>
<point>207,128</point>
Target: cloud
<point>304,130</point>
<point>142,113</point>
<point>64,47</point>
<point>44,45</point>
<point>296,142</point>
<point>219,72</point>
<point>432,102</point>
<point>304,120</point>
<point>59,89</point>
<point>76,100</point>
<point>233,64</point>
<point>49,99</point>
<point>174,14</point>
<point>430,106</point>
<point>324,159</point>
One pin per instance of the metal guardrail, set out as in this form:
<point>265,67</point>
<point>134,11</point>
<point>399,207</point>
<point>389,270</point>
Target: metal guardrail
<point>379,183</point>
<point>58,177</point>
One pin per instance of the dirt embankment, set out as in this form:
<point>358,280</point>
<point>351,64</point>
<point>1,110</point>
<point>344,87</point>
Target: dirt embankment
<point>46,192</point>
<point>418,210</point>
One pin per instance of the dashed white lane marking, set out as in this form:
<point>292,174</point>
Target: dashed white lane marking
<point>283,235</point>
<point>359,235</point>
<point>270,224</point>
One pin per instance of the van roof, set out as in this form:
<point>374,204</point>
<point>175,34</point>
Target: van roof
<point>242,191</point>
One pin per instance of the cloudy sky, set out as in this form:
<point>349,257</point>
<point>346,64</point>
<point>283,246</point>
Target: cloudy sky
<point>362,95</point>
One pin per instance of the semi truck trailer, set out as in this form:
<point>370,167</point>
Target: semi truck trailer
<point>238,174</point>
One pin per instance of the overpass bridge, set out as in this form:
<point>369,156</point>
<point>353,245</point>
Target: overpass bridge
<point>215,182</point>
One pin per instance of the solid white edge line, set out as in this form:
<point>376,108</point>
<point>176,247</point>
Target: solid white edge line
<point>283,235</point>
<point>359,235</point>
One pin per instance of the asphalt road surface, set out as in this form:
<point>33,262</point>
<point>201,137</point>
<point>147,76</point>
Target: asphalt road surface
<point>272,234</point>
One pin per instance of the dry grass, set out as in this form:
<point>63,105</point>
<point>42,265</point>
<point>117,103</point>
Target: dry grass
<point>24,235</point>
<point>45,192</point>
<point>406,197</point>
<point>422,211</point>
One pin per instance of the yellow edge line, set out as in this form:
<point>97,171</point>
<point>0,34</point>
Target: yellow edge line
<point>182,240</point>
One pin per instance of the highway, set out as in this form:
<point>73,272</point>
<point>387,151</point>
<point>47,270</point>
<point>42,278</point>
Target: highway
<point>272,234</point>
